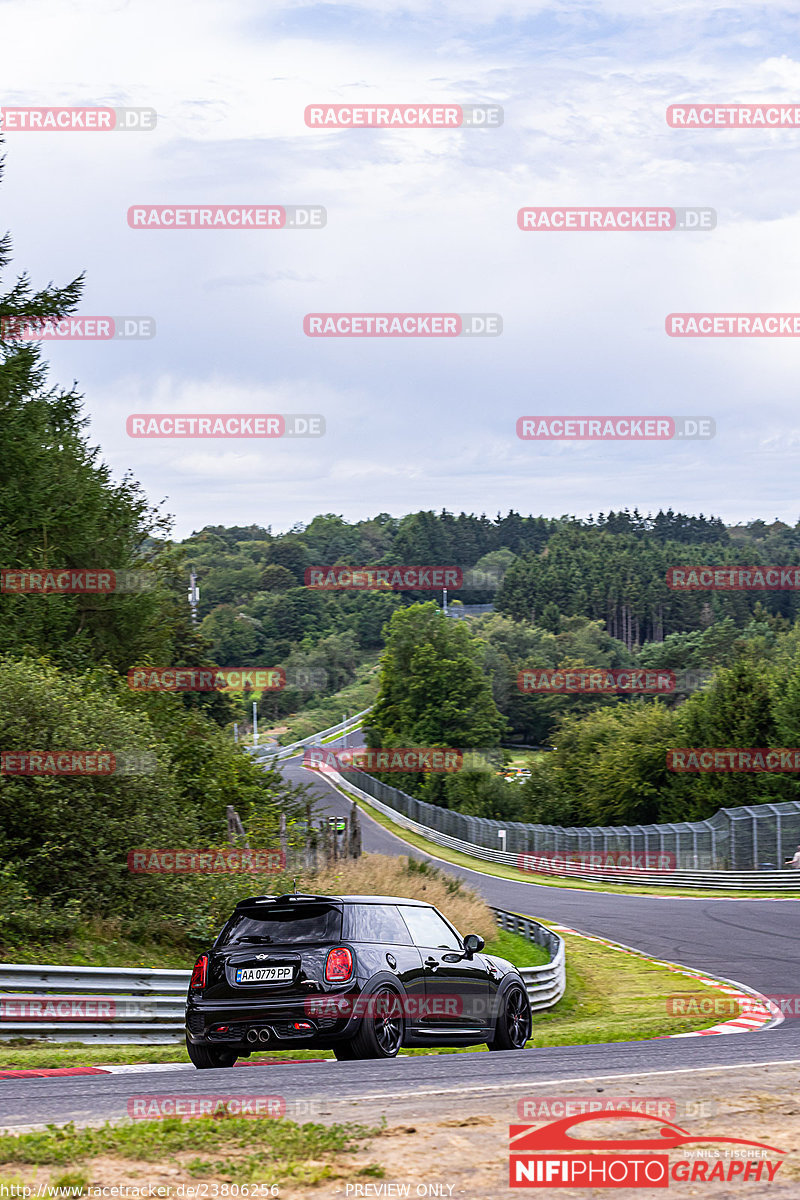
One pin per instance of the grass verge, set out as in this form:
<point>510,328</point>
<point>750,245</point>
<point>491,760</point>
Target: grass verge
<point>222,1148</point>
<point>612,996</point>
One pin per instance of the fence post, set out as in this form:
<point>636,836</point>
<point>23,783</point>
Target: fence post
<point>355,832</point>
<point>310,842</point>
<point>235,826</point>
<point>282,835</point>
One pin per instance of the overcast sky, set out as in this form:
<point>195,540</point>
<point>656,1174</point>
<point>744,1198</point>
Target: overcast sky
<point>418,221</point>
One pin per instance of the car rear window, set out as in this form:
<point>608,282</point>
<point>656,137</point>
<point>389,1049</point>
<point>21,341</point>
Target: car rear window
<point>300,923</point>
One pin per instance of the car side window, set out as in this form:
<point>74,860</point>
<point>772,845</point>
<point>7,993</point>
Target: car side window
<point>429,929</point>
<point>378,923</point>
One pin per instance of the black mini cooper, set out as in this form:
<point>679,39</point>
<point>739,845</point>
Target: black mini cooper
<point>359,975</point>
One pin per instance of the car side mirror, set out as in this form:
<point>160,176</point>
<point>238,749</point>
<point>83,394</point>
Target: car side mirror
<point>473,942</point>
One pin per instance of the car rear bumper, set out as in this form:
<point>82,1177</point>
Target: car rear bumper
<point>220,1022</point>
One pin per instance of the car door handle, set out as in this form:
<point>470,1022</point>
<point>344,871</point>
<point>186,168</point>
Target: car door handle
<point>392,961</point>
<point>432,963</point>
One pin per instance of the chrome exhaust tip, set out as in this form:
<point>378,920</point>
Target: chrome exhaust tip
<point>252,1035</point>
<point>263,1035</point>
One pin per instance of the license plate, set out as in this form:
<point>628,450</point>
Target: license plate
<point>264,974</point>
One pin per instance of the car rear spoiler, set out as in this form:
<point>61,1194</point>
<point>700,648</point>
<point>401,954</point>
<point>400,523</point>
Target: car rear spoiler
<point>288,897</point>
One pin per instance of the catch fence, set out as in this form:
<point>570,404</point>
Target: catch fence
<point>758,837</point>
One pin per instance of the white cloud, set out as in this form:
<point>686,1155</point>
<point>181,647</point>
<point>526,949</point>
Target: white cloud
<point>418,221</point>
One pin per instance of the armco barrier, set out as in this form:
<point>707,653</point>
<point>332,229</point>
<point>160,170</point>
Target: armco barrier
<point>545,985</point>
<point>109,1005</point>
<point>282,752</point>
<point>356,782</point>
<point>92,1004</point>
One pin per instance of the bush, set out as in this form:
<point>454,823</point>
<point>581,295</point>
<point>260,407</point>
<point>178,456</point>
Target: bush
<point>68,837</point>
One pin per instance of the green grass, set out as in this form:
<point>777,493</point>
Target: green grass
<point>28,1054</point>
<point>524,758</point>
<point>334,737</point>
<point>501,871</point>
<point>615,997</point>
<point>517,949</point>
<point>278,1151</point>
<point>100,944</point>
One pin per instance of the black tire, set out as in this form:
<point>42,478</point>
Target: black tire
<point>380,1034</point>
<point>205,1058</point>
<point>343,1051</point>
<point>514,1021</point>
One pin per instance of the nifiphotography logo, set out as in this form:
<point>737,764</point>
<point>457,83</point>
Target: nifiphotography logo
<point>550,1156</point>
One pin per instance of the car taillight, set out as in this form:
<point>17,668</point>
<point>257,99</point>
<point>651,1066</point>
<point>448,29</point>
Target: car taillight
<point>198,980</point>
<point>339,965</point>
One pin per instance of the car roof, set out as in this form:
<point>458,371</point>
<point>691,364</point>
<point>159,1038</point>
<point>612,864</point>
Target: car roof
<point>301,896</point>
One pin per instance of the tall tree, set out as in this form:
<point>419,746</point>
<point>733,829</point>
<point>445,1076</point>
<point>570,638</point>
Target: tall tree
<point>433,689</point>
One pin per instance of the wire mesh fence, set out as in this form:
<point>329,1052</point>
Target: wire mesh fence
<point>756,837</point>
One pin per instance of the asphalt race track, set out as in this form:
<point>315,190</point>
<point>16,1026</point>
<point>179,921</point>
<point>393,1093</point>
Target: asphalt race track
<point>754,942</point>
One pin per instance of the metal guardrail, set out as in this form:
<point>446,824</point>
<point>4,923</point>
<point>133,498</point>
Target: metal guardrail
<point>93,1005</point>
<point>762,880</point>
<point>282,752</point>
<point>117,1006</point>
<point>546,984</point>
